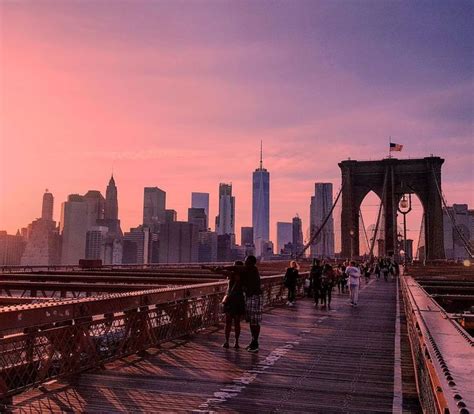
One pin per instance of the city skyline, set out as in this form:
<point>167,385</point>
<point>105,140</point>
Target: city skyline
<point>203,99</point>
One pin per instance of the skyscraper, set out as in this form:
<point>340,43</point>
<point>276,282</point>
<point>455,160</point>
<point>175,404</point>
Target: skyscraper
<point>297,242</point>
<point>201,200</point>
<point>284,235</point>
<point>197,216</point>
<point>321,204</point>
<point>74,226</point>
<point>225,221</point>
<point>111,201</point>
<point>154,205</point>
<point>47,207</point>
<point>179,242</point>
<point>95,207</point>
<point>261,205</point>
<point>246,236</point>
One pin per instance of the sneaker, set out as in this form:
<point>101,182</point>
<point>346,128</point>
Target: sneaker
<point>225,345</point>
<point>253,348</point>
<point>236,345</point>
<point>250,345</point>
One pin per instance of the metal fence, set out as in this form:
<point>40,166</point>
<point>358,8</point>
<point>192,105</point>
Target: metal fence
<point>40,342</point>
<point>430,392</point>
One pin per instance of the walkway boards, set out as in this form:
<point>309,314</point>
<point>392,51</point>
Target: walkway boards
<point>310,360</point>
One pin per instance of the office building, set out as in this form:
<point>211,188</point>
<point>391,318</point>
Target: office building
<point>455,239</point>
<point>321,204</point>
<point>11,248</point>
<point>96,239</point>
<point>246,236</point>
<point>260,205</point>
<point>170,216</point>
<point>111,201</point>
<point>284,235</point>
<point>47,207</point>
<point>154,206</point>
<point>207,246</point>
<point>197,216</point>
<point>73,228</point>
<point>179,242</point>
<point>136,245</point>
<point>224,247</point>
<point>201,200</point>
<point>95,207</point>
<point>297,236</point>
<point>43,245</point>
<point>225,221</point>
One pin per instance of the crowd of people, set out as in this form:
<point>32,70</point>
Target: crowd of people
<point>244,299</point>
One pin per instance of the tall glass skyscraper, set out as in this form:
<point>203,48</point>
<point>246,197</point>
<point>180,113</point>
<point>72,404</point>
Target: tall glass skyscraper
<point>201,200</point>
<point>261,205</point>
<point>321,204</point>
<point>225,221</point>
<point>154,205</point>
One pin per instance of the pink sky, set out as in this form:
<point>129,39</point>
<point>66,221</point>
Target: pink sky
<point>180,99</point>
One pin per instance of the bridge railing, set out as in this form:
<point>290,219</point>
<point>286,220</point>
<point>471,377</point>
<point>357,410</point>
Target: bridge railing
<point>437,391</point>
<point>41,342</point>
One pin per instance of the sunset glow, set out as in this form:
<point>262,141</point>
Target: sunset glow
<point>179,94</point>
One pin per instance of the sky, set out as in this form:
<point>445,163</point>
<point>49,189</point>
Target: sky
<point>178,94</point>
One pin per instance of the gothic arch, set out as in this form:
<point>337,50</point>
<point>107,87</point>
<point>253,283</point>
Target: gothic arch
<point>390,178</point>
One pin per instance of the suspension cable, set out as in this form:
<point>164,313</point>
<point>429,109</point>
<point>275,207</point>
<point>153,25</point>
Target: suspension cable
<point>318,231</point>
<point>365,230</point>
<point>451,217</point>
<point>422,230</point>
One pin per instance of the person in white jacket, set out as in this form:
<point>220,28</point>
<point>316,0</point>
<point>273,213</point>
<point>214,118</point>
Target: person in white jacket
<point>353,274</point>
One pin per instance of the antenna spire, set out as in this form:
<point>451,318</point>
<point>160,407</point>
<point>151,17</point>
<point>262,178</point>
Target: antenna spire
<point>261,154</point>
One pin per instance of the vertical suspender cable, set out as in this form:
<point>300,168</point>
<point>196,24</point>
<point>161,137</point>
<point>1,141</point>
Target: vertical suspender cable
<point>371,253</point>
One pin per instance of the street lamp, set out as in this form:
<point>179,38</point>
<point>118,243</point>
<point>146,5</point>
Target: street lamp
<point>404,207</point>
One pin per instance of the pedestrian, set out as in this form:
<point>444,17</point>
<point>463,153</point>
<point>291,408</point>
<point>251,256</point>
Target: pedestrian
<point>233,304</point>
<point>353,273</point>
<point>315,274</point>
<point>377,269</point>
<point>327,283</point>
<point>290,282</point>
<point>385,269</point>
<point>367,272</point>
<point>251,284</point>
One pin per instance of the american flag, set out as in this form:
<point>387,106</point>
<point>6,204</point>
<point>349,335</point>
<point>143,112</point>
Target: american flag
<point>395,147</point>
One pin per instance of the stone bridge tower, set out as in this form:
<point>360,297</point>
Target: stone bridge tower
<point>390,178</point>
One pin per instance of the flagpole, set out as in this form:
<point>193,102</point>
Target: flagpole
<point>389,142</point>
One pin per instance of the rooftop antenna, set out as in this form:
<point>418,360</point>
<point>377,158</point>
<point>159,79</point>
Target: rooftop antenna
<point>261,154</point>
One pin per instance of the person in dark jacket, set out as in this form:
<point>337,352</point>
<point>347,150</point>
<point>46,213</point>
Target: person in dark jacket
<point>290,281</point>
<point>233,305</point>
<point>315,274</point>
<point>327,283</point>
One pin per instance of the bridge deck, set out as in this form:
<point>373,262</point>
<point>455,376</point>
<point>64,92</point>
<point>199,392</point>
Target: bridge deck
<point>310,360</point>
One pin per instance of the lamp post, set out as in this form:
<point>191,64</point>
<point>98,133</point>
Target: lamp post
<point>404,207</point>
<point>352,243</point>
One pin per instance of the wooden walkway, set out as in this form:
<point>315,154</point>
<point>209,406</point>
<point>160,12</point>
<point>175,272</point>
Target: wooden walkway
<point>310,360</point>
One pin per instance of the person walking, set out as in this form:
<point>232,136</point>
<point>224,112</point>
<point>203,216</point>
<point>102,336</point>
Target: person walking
<point>385,269</point>
<point>353,273</point>
<point>290,282</point>
<point>327,283</point>
<point>315,275</point>
<point>250,278</point>
<point>234,305</point>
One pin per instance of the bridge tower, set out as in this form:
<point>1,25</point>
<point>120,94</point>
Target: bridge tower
<point>390,178</point>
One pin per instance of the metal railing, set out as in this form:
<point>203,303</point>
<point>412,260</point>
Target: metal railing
<point>424,354</point>
<point>41,342</point>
